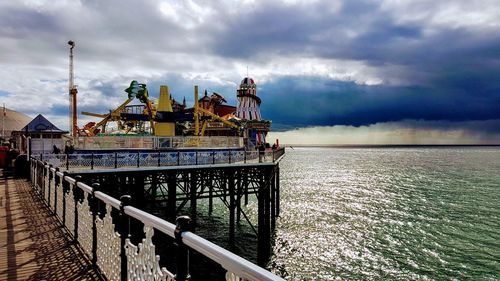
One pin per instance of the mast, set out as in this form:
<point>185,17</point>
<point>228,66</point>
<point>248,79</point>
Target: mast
<point>73,127</point>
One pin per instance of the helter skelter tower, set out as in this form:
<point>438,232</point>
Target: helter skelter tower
<point>249,109</point>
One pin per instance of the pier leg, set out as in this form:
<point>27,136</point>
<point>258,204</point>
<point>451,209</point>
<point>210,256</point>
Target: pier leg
<point>245,185</point>
<point>192,195</point>
<point>238,198</point>
<point>210,194</point>
<point>263,234</point>
<point>267,184</point>
<point>232,205</point>
<point>273,201</point>
<point>277,177</point>
<point>171,199</point>
<point>138,190</point>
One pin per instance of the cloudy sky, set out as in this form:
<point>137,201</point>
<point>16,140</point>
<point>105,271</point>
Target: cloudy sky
<point>328,72</point>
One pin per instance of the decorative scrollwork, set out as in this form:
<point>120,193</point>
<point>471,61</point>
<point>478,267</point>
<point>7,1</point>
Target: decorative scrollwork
<point>60,198</point>
<point>142,262</point>
<point>70,210</point>
<point>53,194</point>
<point>46,184</point>
<point>233,277</point>
<point>108,246</point>
<point>85,225</point>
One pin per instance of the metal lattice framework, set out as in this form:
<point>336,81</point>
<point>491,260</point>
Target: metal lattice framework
<point>142,261</point>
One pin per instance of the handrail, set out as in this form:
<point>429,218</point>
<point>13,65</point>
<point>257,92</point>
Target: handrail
<point>108,199</point>
<point>233,263</point>
<point>43,175</point>
<point>154,221</point>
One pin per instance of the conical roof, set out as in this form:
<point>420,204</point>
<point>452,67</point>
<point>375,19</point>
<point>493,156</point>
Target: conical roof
<point>13,121</point>
<point>41,125</point>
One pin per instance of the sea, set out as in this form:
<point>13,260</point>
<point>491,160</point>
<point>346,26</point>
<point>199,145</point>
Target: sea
<point>389,213</point>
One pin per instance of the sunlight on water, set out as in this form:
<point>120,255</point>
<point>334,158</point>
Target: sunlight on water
<point>406,213</point>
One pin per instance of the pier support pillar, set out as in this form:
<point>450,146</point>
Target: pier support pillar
<point>232,205</point>
<point>171,196</point>
<point>210,193</point>
<point>238,197</point>
<point>192,195</point>
<point>272,192</point>
<point>277,178</point>
<point>263,240</point>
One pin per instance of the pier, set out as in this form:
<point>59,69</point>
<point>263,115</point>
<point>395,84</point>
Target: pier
<point>100,227</point>
<point>33,246</point>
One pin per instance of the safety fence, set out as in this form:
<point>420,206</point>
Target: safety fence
<point>100,224</point>
<point>152,142</point>
<point>110,160</point>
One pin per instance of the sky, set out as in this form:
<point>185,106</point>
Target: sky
<point>328,72</point>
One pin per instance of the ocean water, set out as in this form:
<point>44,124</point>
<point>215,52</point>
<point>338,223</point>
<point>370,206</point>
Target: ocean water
<point>389,214</point>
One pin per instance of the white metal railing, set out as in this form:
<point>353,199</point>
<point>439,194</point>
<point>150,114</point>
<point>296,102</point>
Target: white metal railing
<point>108,246</point>
<point>153,142</point>
<point>111,160</point>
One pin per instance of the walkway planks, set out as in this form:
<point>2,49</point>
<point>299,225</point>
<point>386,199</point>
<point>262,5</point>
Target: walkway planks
<point>33,245</point>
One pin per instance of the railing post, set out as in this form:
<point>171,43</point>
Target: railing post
<point>245,157</point>
<point>55,188</point>
<point>57,181</point>
<point>50,180</point>
<point>159,155</point>
<point>230,152</point>
<point>183,224</point>
<point>95,211</point>
<point>138,158</point>
<point>125,201</point>
<point>67,161</point>
<point>116,160</point>
<point>213,156</point>
<point>196,156</point>
<point>178,158</point>
<point>92,161</point>
<point>75,197</point>
<point>65,186</point>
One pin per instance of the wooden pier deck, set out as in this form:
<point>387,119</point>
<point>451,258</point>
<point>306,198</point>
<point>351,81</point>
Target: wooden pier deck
<point>33,245</point>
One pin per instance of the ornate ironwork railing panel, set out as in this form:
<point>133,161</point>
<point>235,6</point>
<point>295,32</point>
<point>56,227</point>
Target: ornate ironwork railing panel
<point>85,225</point>
<point>108,246</point>
<point>142,261</point>
<point>46,188</point>
<point>60,199</point>
<point>70,210</point>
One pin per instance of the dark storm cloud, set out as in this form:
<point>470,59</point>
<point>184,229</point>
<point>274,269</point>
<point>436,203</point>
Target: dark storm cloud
<point>438,65</point>
<point>359,31</point>
<point>306,101</point>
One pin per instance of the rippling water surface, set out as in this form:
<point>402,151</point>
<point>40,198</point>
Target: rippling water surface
<point>389,213</point>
